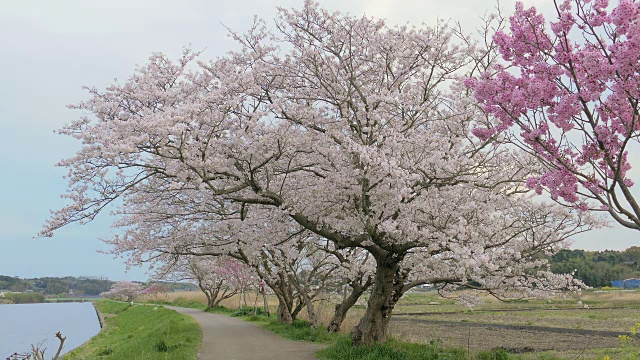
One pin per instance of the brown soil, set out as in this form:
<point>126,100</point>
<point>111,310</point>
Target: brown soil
<point>493,336</point>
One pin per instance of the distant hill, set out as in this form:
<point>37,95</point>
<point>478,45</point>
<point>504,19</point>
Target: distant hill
<point>78,286</point>
<point>56,286</point>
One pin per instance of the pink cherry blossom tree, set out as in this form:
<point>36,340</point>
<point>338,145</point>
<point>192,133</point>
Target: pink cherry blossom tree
<point>240,276</point>
<point>341,127</point>
<point>155,290</point>
<point>567,89</point>
<point>212,276</point>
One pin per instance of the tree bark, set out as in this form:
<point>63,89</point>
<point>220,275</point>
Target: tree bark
<point>266,303</point>
<point>224,296</point>
<point>213,294</point>
<point>284,314</point>
<point>299,306</point>
<point>387,290</point>
<point>255,303</point>
<point>306,300</point>
<point>284,294</point>
<point>311,312</point>
<point>210,301</point>
<point>347,303</point>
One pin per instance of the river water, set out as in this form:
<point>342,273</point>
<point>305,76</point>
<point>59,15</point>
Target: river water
<point>24,324</point>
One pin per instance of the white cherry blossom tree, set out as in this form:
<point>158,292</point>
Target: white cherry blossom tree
<point>124,290</point>
<point>213,275</point>
<point>349,129</point>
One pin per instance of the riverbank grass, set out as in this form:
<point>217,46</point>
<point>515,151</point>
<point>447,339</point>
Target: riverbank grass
<point>141,332</point>
<point>342,349</point>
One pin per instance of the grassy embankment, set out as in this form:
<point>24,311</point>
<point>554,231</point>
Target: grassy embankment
<point>141,333</point>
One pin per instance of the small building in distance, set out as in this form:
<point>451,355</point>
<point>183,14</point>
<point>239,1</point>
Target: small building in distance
<point>626,284</point>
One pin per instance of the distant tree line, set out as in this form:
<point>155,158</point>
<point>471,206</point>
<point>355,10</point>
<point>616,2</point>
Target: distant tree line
<point>12,284</point>
<point>25,298</point>
<point>79,286</point>
<point>65,285</point>
<point>598,268</point>
<point>56,286</point>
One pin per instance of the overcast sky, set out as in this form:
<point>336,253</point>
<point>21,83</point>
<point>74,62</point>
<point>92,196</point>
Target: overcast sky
<point>49,49</point>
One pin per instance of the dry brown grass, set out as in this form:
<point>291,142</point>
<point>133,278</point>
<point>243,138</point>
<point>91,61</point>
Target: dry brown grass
<point>323,308</point>
<point>616,296</point>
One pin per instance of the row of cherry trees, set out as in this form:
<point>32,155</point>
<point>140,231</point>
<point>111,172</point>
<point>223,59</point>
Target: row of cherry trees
<point>336,149</point>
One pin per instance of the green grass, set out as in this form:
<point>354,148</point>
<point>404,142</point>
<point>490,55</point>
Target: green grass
<point>112,307</point>
<point>592,354</point>
<point>424,298</point>
<point>221,310</point>
<point>184,302</point>
<point>299,331</point>
<point>391,350</point>
<point>141,333</point>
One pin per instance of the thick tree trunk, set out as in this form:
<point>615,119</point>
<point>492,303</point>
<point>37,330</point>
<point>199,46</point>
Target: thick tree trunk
<point>340,314</point>
<point>211,298</point>
<point>347,303</point>
<point>210,303</point>
<point>387,290</point>
<point>284,314</point>
<point>282,289</point>
<point>217,302</point>
<point>285,304</point>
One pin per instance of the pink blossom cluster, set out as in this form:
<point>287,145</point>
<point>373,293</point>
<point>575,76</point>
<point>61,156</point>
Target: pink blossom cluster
<point>571,86</point>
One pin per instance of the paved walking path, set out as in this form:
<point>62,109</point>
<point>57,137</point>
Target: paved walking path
<point>228,338</point>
